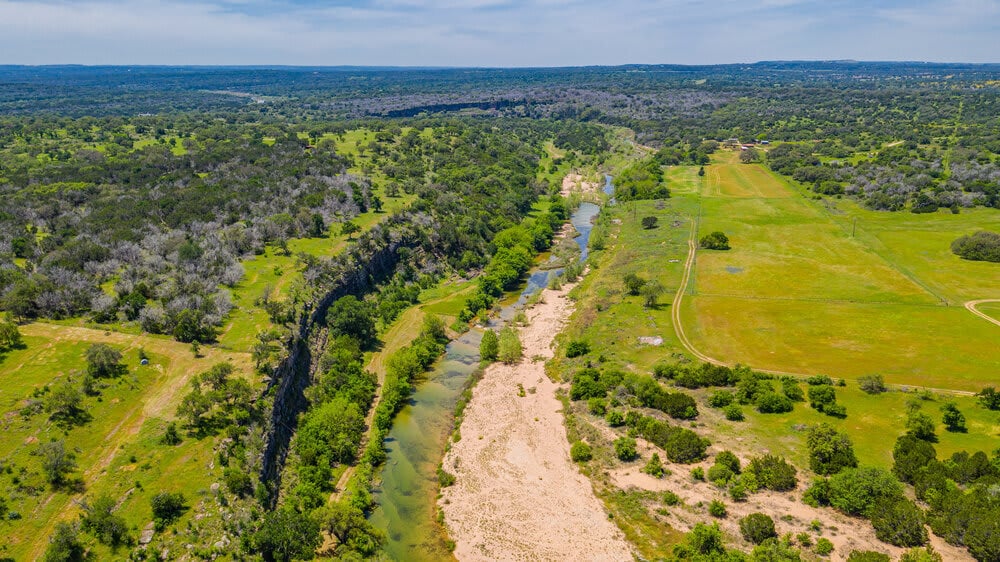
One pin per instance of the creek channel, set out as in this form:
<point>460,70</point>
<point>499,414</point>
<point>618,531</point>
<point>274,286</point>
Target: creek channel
<point>407,493</point>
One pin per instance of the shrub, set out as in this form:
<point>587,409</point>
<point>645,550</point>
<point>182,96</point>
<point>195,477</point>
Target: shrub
<point>698,473</point>
<point>773,403</point>
<point>99,519</point>
<point>489,346</point>
<point>714,241</point>
<point>817,380</point>
<point>830,451</point>
<point>730,460</point>
<point>580,452</point>
<point>670,498</point>
<point>909,456</point>
<point>773,473</point>
<point>167,507</point>
<point>720,399</point>
<point>981,246</point>
<point>654,467</point>
<point>821,395</point>
<point>872,384</point>
<point>614,418</point>
<point>717,509</point>
<point>791,389</point>
<point>633,284</point>
<point>921,426</point>
<point>597,406</point>
<point>734,413</point>
<point>854,491</point>
<point>919,555</point>
<point>625,449</point>
<point>823,546</point>
<point>577,348</point>
<point>868,556</point>
<point>899,523</point>
<point>757,528</point>
<point>706,539</point>
<point>509,350</point>
<point>649,223</point>
<point>720,474</point>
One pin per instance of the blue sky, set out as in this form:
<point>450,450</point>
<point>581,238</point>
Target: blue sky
<point>493,32</point>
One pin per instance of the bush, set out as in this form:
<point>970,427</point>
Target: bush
<point>830,451</point>
<point>720,399</point>
<point>730,460</point>
<point>720,474</point>
<point>715,241</point>
<point>899,523</point>
<point>670,498</point>
<point>909,456</point>
<point>510,349</point>
<point>872,384</point>
<point>717,509</point>
<point>625,449</point>
<point>577,348</point>
<point>817,380</point>
<point>706,539</point>
<point>773,403</point>
<point>757,528</point>
<point>854,491</point>
<point>489,346</point>
<point>734,413</point>
<point>649,223</point>
<point>614,418</point>
<point>698,474</point>
<point>580,452</point>
<point>868,556</point>
<point>597,406</point>
<point>919,555</point>
<point>921,426</point>
<point>654,467</point>
<point>954,420</point>
<point>773,473</point>
<point>981,246</point>
<point>823,547</point>
<point>167,507</point>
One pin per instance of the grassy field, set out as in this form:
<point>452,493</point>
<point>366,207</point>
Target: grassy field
<point>798,293</point>
<point>116,445</point>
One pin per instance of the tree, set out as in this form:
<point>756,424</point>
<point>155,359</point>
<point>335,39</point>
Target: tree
<point>773,473</point>
<point>489,346</point>
<point>921,426</point>
<point>714,241</point>
<point>855,490</point>
<point>651,292</point>
<point>350,316</point>
<point>348,229</point>
<point>509,348</point>
<point>899,523</point>
<point>63,402</point>
<point>167,507</point>
<point>910,455</point>
<point>580,452</point>
<point>57,462</point>
<point>830,451</point>
<point>654,467</point>
<point>649,222</point>
<point>576,348</point>
<point>65,545</point>
<point>989,398</point>
<point>757,528</point>
<point>99,520</point>
<point>625,449</point>
<point>701,171</point>
<point>188,327</point>
<point>104,361</point>
<point>10,335</point>
<point>706,539</point>
<point>285,534</point>
<point>953,419</point>
<point>352,530</point>
<point>633,284</point>
<point>749,156</point>
<point>872,384</point>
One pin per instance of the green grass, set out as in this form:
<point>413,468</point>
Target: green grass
<point>873,423</point>
<point>126,420</point>
<point>797,292</point>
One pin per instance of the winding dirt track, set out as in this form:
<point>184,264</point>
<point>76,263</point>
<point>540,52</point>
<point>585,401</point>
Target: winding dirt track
<point>675,316</point>
<point>971,305</point>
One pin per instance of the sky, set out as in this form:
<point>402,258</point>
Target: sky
<point>494,33</point>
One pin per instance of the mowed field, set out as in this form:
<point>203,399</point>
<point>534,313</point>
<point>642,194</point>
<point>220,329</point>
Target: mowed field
<point>798,293</point>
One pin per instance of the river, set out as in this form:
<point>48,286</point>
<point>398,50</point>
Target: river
<point>407,494</point>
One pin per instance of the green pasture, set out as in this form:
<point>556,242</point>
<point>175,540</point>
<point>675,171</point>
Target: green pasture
<point>116,442</point>
<point>832,288</point>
